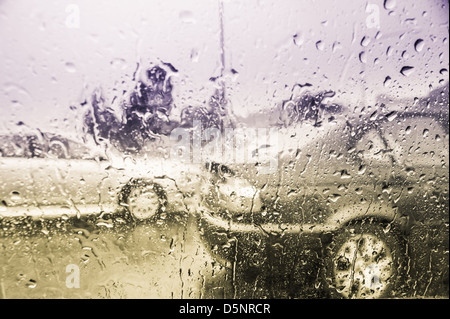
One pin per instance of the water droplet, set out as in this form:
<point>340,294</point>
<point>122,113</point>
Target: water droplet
<point>411,21</point>
<point>298,39</point>
<point>419,44</point>
<point>31,283</point>
<point>386,189</point>
<point>320,46</point>
<point>194,55</point>
<point>363,57</point>
<point>334,197</point>
<point>389,4</point>
<point>425,132</point>
<point>187,17</point>
<point>389,51</point>
<point>407,70</point>
<point>336,46</point>
<point>345,174</point>
<point>15,196</point>
<point>443,71</point>
<point>362,169</point>
<point>70,67</point>
<point>365,41</point>
<point>106,223</point>
<point>405,55</point>
<point>391,116</point>
<point>387,81</point>
<point>118,64</point>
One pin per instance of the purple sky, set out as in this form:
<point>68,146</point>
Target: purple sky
<point>47,65</point>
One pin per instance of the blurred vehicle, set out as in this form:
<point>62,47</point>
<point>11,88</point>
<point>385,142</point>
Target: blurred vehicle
<point>47,175</point>
<point>372,192</point>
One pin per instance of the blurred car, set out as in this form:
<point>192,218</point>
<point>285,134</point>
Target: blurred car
<point>372,192</point>
<point>47,175</point>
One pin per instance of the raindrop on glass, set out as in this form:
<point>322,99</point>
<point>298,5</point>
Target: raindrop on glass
<point>319,45</point>
<point>389,4</point>
<point>70,67</point>
<point>407,70</point>
<point>363,57</point>
<point>365,41</point>
<point>418,45</point>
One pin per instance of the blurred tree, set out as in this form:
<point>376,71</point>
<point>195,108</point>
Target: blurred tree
<point>145,116</point>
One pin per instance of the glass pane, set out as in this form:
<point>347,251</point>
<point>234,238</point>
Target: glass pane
<point>224,149</point>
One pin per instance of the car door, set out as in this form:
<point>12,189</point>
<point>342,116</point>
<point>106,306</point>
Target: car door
<point>418,143</point>
<point>66,181</point>
<point>16,187</point>
<point>352,170</point>
<point>420,149</point>
<point>68,175</point>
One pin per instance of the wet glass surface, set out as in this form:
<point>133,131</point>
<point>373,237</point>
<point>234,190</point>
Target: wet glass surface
<point>224,149</point>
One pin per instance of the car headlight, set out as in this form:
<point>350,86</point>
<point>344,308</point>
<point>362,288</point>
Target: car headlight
<point>237,195</point>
